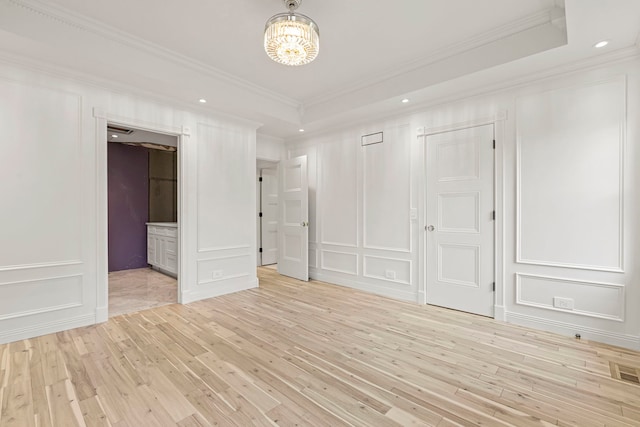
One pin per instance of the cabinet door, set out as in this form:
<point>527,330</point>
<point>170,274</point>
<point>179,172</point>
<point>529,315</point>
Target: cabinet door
<point>171,254</point>
<point>161,254</point>
<point>151,249</point>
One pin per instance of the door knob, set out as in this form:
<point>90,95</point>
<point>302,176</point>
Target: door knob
<point>430,228</point>
<point>304,224</point>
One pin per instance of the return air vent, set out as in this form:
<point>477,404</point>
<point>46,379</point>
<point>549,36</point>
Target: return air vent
<point>151,146</point>
<point>118,129</point>
<point>372,138</point>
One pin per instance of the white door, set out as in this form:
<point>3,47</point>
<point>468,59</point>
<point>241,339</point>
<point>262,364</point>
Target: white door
<point>460,220</point>
<point>269,218</point>
<point>293,219</point>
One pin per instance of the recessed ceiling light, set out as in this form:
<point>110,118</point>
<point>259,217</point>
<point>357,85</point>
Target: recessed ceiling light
<point>300,130</point>
<point>114,136</point>
<point>603,43</point>
<point>203,101</point>
<point>404,101</point>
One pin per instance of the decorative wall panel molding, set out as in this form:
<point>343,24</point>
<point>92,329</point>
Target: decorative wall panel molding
<point>217,269</point>
<point>40,265</point>
<point>37,296</point>
<point>340,262</point>
<point>338,193</point>
<point>389,269</point>
<point>222,188</point>
<point>222,248</point>
<point>570,176</point>
<point>43,183</point>
<point>387,192</point>
<point>592,299</point>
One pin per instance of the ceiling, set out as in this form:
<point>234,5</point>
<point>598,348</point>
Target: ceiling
<point>372,54</point>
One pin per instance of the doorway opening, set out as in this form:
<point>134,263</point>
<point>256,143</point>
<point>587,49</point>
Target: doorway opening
<point>267,213</point>
<point>142,175</point>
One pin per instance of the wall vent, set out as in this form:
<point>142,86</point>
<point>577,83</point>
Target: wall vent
<point>372,138</point>
<point>119,129</point>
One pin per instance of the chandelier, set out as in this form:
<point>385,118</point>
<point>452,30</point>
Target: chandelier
<point>291,38</point>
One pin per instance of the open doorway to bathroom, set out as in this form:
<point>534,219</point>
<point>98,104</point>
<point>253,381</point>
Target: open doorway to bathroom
<point>267,208</point>
<point>142,219</point>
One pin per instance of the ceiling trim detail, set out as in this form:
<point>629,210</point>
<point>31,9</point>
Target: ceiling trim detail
<point>615,57</point>
<point>554,16</point>
<point>83,23</point>
<point>64,73</point>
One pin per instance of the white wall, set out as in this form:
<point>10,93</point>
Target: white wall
<point>567,200</point>
<point>269,148</point>
<point>54,199</point>
<point>360,200</point>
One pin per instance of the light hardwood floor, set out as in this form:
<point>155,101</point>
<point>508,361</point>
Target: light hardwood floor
<point>312,354</point>
<point>140,289</point>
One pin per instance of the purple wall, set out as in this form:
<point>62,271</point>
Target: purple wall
<point>128,169</point>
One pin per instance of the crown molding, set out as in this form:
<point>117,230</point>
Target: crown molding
<point>80,78</point>
<point>618,56</point>
<point>546,17</point>
<point>83,23</point>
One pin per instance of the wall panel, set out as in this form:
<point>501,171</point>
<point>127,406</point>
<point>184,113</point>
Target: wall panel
<point>387,191</point>
<point>388,269</point>
<point>593,299</point>
<point>570,176</point>
<point>338,188</point>
<point>339,262</point>
<point>225,206</point>
<point>37,296</point>
<point>41,189</point>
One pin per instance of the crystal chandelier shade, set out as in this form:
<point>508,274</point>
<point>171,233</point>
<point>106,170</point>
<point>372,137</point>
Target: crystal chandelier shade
<point>291,38</point>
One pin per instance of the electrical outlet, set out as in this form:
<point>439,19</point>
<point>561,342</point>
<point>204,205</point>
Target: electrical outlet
<point>564,303</point>
<point>390,274</point>
<point>217,274</point>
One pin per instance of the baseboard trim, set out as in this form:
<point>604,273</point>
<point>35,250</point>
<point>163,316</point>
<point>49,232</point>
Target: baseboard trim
<point>422,297</point>
<point>411,296</point>
<point>568,329</point>
<point>47,328</point>
<point>500,312</point>
<point>219,289</point>
<point>102,314</point>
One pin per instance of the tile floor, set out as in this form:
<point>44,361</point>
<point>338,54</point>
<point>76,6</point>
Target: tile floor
<point>140,289</point>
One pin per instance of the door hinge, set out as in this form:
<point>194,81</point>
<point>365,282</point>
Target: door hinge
<point>260,250</point>
<point>493,215</point>
<point>260,179</point>
<point>260,214</point>
<point>494,147</point>
<point>493,284</point>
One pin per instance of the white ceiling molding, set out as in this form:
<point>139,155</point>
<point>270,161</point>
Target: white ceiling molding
<point>371,114</point>
<point>93,26</point>
<point>440,53</point>
<point>535,20</point>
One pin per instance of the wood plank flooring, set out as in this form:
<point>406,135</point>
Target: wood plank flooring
<point>312,354</point>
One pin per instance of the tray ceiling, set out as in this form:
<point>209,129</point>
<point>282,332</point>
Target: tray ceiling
<point>372,53</point>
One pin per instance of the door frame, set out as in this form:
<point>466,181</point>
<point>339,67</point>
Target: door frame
<point>498,120</point>
<point>102,198</point>
<point>276,165</point>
